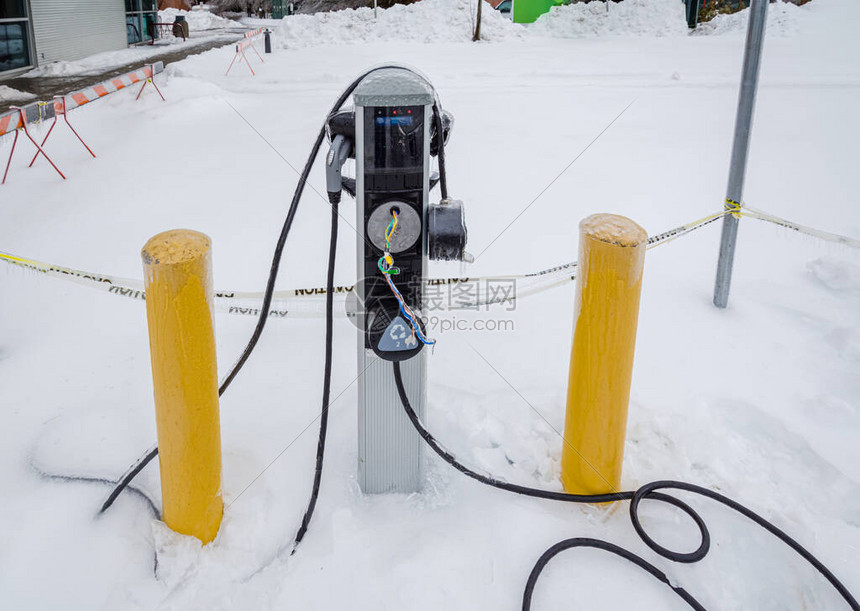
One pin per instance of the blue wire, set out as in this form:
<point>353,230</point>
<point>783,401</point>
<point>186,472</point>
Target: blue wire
<point>411,320</point>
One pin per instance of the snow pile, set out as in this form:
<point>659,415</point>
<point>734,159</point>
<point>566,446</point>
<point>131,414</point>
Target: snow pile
<point>628,18</point>
<point>197,20</point>
<point>7,94</point>
<point>783,19</point>
<point>59,68</point>
<point>425,21</point>
<point>101,62</point>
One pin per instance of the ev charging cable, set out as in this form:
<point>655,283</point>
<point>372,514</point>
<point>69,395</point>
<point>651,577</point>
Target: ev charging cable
<point>647,492</point>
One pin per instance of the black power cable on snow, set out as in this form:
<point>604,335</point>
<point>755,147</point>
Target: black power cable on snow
<point>334,199</point>
<point>646,492</point>
<point>329,336</point>
<point>144,460</point>
<point>83,479</point>
<point>440,149</point>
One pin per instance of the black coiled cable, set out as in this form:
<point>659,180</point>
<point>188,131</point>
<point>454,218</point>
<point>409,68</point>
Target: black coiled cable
<point>646,492</point>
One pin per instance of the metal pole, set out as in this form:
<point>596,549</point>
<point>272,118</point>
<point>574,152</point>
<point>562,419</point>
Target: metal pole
<point>374,9</point>
<point>693,13</point>
<point>740,148</point>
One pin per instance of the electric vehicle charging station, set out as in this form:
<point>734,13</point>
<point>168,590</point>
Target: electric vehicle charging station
<point>394,128</point>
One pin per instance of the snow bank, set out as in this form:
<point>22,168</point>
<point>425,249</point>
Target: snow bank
<point>783,19</point>
<point>425,21</point>
<point>197,20</point>
<point>628,18</point>
<point>7,94</point>
<point>101,62</point>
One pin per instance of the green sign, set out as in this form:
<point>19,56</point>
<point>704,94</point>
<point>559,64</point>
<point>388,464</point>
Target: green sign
<point>527,11</point>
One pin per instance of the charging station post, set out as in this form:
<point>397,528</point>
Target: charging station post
<point>393,114</point>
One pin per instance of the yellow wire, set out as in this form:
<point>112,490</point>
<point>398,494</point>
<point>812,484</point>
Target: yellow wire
<point>389,233</point>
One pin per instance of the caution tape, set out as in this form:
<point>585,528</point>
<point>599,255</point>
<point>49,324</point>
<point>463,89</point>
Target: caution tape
<point>231,302</point>
<point>455,293</point>
<point>677,232</point>
<point>810,231</point>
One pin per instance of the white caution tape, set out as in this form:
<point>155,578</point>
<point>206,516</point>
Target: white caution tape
<point>231,302</point>
<point>811,231</point>
<point>440,294</point>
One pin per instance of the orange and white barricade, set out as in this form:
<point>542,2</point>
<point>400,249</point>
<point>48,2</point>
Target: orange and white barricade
<point>90,94</point>
<point>16,120</point>
<point>60,108</point>
<point>18,117</point>
<point>247,43</point>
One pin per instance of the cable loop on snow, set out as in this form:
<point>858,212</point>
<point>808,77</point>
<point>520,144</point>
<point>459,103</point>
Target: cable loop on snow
<point>648,492</point>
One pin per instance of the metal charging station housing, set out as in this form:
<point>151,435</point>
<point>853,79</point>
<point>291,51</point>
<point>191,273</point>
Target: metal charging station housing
<point>389,448</point>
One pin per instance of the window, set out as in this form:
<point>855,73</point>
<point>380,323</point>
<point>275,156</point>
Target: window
<point>140,20</point>
<point>14,35</point>
<point>11,9</point>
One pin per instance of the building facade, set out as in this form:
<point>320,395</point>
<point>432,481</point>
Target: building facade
<point>37,32</point>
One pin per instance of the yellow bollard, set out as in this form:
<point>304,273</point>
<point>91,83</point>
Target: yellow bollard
<point>177,269</point>
<point>606,311</point>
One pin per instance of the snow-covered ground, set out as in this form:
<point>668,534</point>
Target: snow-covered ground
<point>760,401</point>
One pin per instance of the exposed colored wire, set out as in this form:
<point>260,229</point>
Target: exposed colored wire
<point>386,266</point>
<point>389,233</point>
<point>407,312</point>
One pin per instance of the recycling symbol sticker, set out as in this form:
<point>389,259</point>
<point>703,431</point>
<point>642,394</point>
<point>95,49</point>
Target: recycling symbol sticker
<point>397,337</point>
